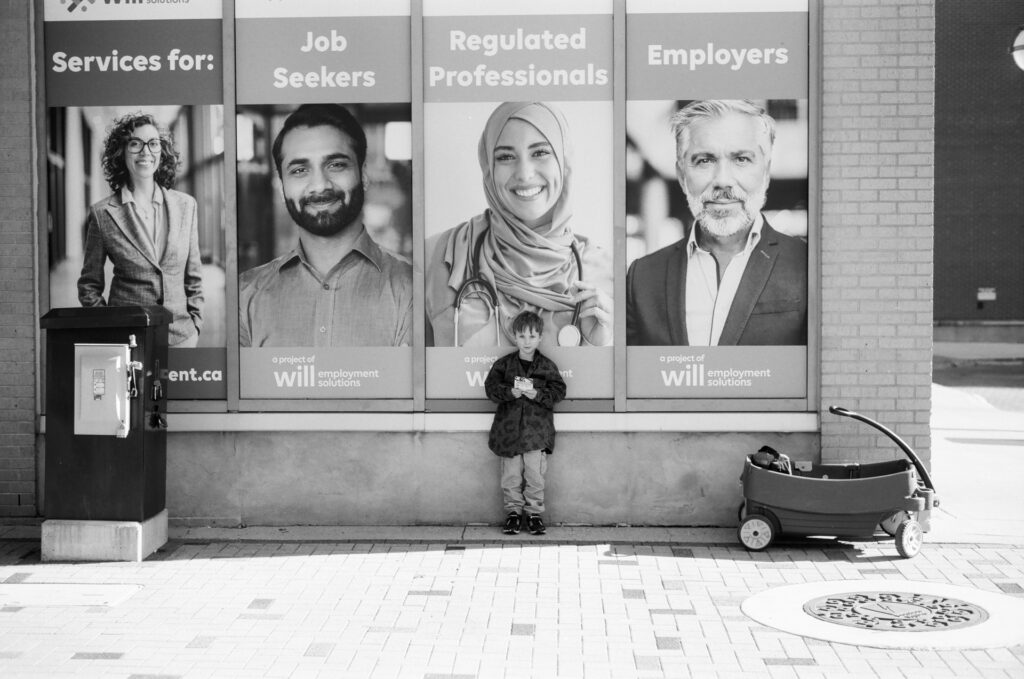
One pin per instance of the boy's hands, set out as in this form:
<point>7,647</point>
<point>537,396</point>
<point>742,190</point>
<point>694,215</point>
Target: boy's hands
<point>528,393</point>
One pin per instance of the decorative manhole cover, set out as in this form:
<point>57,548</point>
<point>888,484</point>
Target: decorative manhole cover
<point>871,613</point>
<point>896,611</point>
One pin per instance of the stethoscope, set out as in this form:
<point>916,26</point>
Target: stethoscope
<point>477,287</point>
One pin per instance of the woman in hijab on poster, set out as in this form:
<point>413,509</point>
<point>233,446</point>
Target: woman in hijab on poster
<point>520,253</point>
<point>146,229</point>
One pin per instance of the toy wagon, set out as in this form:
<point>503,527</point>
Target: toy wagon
<point>844,500</point>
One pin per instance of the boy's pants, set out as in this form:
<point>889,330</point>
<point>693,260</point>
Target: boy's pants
<point>522,482</point>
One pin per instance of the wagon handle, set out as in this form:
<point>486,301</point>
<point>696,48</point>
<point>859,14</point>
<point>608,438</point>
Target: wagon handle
<point>918,465</point>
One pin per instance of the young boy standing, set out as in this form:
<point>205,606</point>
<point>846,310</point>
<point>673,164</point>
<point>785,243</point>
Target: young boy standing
<point>526,385</point>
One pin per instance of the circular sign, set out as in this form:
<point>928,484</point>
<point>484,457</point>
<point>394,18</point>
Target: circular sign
<point>879,613</point>
<point>896,611</point>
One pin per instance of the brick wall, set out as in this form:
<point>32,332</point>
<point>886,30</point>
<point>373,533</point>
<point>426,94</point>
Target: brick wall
<point>877,221</point>
<point>17,265</point>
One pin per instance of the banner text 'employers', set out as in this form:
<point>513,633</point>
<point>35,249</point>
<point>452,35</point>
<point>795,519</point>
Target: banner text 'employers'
<point>695,57</point>
<point>530,75</point>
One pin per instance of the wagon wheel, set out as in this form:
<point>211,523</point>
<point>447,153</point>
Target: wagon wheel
<point>909,538</point>
<point>756,532</point>
<point>891,523</point>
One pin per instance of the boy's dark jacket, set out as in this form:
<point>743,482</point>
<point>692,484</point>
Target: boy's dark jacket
<point>520,424</point>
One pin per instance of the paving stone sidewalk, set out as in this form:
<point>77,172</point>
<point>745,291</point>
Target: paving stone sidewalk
<point>460,610</point>
<point>467,602</point>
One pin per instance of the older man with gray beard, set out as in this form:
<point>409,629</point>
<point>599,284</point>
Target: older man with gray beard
<point>732,279</point>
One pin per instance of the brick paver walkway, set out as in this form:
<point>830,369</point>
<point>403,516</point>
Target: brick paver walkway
<point>469,610</point>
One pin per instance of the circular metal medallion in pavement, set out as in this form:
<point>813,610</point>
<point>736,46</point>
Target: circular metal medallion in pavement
<point>880,613</point>
<point>896,611</point>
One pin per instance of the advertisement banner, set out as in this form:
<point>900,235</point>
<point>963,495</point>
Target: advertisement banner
<point>102,54</point>
<point>322,57</point>
<point>491,58</point>
<point>754,50</point>
<point>717,124</point>
<point>324,169</point>
<point>716,372</point>
<point>467,369</point>
<point>135,156</point>
<point>196,374</point>
<point>518,189</point>
<point>351,372</point>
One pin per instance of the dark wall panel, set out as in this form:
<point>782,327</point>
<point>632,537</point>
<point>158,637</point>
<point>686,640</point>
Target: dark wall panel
<point>979,158</point>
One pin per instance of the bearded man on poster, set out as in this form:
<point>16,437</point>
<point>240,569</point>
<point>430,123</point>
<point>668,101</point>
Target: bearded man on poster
<point>337,287</point>
<point>732,279</point>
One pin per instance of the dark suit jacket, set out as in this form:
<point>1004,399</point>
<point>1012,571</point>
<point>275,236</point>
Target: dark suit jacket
<point>770,307</point>
<point>174,282</point>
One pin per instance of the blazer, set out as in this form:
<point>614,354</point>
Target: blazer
<point>174,282</point>
<point>770,306</point>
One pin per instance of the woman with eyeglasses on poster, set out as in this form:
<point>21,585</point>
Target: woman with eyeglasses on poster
<point>520,253</point>
<point>146,229</point>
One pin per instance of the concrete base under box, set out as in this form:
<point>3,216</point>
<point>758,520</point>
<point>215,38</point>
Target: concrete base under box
<point>70,540</point>
<point>319,478</point>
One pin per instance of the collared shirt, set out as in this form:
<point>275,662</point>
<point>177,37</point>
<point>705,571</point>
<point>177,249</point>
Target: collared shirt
<point>708,301</point>
<point>364,300</point>
<point>151,223</point>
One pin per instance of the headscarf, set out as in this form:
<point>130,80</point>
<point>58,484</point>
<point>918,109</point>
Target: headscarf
<point>528,267</point>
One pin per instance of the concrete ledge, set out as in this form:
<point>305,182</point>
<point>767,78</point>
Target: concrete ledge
<point>449,535</point>
<point>946,530</point>
<point>698,422</point>
<point>69,540</point>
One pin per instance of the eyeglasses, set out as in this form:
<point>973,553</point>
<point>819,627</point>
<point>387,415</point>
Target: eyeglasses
<point>135,145</point>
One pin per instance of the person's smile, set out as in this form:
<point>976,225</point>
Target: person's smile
<point>527,192</point>
<point>321,204</point>
<point>324,201</point>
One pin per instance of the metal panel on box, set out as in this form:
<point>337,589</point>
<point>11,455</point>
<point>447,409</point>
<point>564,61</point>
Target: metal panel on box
<point>92,473</point>
<point>102,377</point>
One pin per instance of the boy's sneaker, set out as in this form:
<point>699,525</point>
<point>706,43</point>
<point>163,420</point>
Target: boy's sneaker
<point>513,524</point>
<point>535,524</point>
